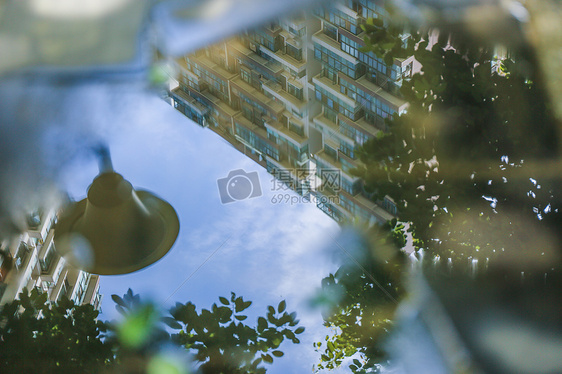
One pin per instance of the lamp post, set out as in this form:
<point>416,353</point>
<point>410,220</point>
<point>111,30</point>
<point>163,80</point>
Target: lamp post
<point>116,229</point>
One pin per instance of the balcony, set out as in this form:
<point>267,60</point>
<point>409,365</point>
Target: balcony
<point>256,154</point>
<point>283,170</point>
<point>211,67</point>
<point>60,286</point>
<point>290,101</point>
<point>92,290</point>
<point>329,43</point>
<point>190,107</point>
<point>334,89</point>
<point>286,60</point>
<point>336,163</point>
<point>363,203</point>
<point>40,224</point>
<point>396,103</point>
<point>26,265</point>
<point>327,202</point>
<point>285,133</point>
<point>214,102</point>
<point>273,106</point>
<point>361,125</point>
<point>329,128</point>
<point>273,68</point>
<point>353,13</point>
<point>328,160</point>
<point>47,255</point>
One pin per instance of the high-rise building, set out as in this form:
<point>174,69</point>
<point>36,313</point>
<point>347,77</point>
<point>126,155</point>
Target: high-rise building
<point>298,96</point>
<point>30,260</point>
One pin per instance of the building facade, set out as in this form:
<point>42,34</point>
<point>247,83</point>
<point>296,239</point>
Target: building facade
<point>298,96</point>
<point>30,260</point>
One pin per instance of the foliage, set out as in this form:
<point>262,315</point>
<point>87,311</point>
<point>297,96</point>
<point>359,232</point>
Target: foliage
<point>40,337</point>
<point>222,343</point>
<point>465,166</point>
<point>370,286</point>
<point>462,164</point>
<point>388,41</point>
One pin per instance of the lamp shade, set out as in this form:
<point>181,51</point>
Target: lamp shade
<point>116,229</point>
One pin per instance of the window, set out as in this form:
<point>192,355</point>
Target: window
<point>372,10</point>
<point>353,134</point>
<point>330,114</point>
<point>81,286</point>
<point>331,31</point>
<point>295,91</point>
<point>330,151</point>
<point>246,76</point>
<point>343,20</point>
<point>389,206</point>
<point>351,188</point>
<point>48,261</point>
<point>296,128</point>
<point>333,102</point>
<point>334,63</point>
<point>297,113</point>
<point>299,32</point>
<point>294,52</point>
<point>347,150</point>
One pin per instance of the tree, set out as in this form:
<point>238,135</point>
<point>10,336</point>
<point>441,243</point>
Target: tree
<point>367,289</point>
<point>463,165</point>
<point>222,343</point>
<point>62,337</point>
<point>38,337</point>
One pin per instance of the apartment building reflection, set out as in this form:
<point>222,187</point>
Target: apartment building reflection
<point>298,97</point>
<point>30,260</point>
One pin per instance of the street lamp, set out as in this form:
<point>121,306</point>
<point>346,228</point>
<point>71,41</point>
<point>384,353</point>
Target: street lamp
<point>116,229</point>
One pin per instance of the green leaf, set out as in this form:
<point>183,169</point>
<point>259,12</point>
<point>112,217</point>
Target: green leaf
<point>246,304</point>
<point>272,319</point>
<point>262,324</point>
<point>224,300</point>
<point>300,330</point>
<point>171,322</point>
<point>118,300</point>
<point>267,358</point>
<point>282,306</point>
<point>240,318</point>
<point>239,304</point>
<point>277,353</point>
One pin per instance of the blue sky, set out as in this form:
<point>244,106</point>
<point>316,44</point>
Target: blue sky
<point>272,251</point>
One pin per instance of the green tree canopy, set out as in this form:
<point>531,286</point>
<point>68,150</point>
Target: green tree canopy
<point>365,292</point>
<point>470,164</point>
<point>41,337</point>
<point>38,337</point>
